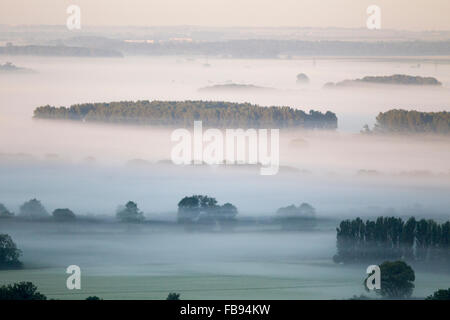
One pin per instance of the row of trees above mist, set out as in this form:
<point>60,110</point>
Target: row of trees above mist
<point>34,210</point>
<point>196,212</point>
<point>173,113</point>
<point>403,121</point>
<point>393,238</point>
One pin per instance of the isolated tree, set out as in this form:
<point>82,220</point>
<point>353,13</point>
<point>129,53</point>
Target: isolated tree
<point>63,215</point>
<point>9,254</point>
<point>33,209</point>
<point>440,294</point>
<point>366,129</point>
<point>228,211</point>
<point>4,212</point>
<point>130,213</point>
<point>297,218</point>
<point>93,298</point>
<point>21,291</point>
<point>302,78</point>
<point>397,280</point>
<point>173,296</point>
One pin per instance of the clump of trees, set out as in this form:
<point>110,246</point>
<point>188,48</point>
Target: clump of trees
<point>403,79</point>
<point>130,213</point>
<point>403,121</point>
<point>441,294</point>
<point>173,296</point>
<point>9,254</point>
<point>204,211</point>
<point>4,212</point>
<point>173,113</point>
<point>21,291</point>
<point>33,209</point>
<point>392,238</point>
<point>396,79</point>
<point>293,217</point>
<point>63,215</point>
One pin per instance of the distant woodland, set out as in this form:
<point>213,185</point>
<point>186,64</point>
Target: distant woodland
<point>171,113</point>
<point>265,48</point>
<point>403,121</point>
<point>396,79</point>
<point>64,51</point>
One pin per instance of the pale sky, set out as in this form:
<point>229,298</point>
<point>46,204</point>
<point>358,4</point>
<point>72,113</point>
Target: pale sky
<point>414,15</point>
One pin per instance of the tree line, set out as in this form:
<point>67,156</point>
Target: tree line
<point>173,113</point>
<point>62,51</point>
<point>271,48</point>
<point>27,290</point>
<point>403,121</point>
<point>392,238</point>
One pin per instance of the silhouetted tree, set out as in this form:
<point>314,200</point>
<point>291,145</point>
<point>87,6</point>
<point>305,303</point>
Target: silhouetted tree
<point>9,254</point>
<point>441,294</point>
<point>4,212</point>
<point>21,291</point>
<point>173,296</point>
<point>397,280</point>
<point>64,215</point>
<point>302,78</point>
<point>293,218</point>
<point>130,213</point>
<point>33,209</point>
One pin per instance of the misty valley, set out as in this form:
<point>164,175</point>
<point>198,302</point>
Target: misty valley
<point>87,176</point>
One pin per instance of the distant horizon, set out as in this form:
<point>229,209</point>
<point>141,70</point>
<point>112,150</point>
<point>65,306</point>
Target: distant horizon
<point>222,27</point>
<point>408,15</point>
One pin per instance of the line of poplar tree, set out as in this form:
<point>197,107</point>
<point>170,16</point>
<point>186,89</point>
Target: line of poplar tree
<point>392,238</point>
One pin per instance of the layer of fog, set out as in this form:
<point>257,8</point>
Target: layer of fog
<point>65,81</point>
<point>84,166</point>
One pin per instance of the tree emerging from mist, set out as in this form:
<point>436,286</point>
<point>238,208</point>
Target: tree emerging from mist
<point>173,113</point>
<point>4,212</point>
<point>33,209</point>
<point>130,213</point>
<point>63,215</point>
<point>9,254</point>
<point>204,211</point>
<point>293,217</point>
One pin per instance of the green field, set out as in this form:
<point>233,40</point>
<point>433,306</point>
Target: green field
<point>148,263</point>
